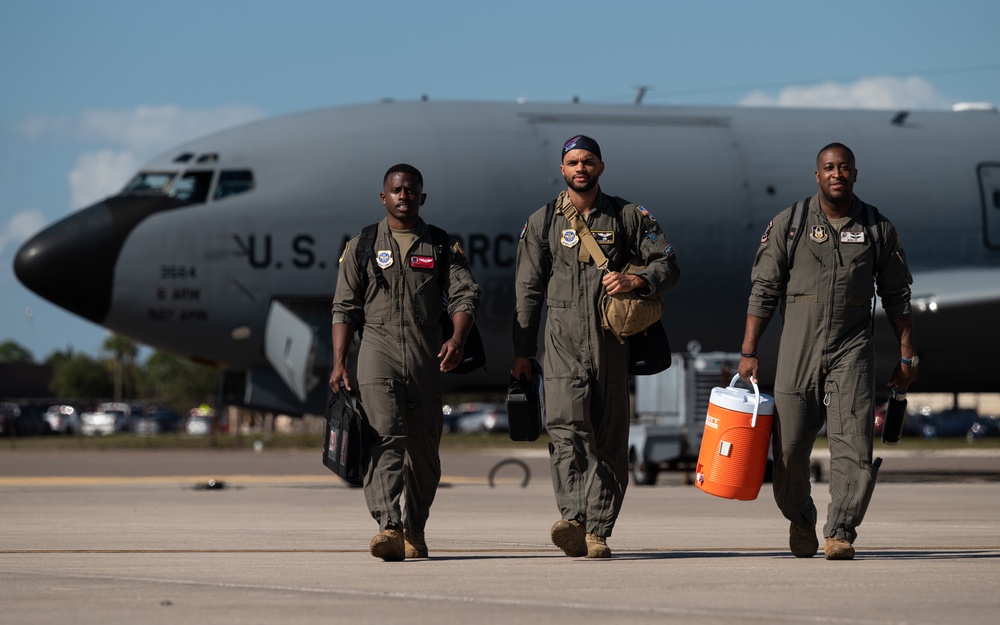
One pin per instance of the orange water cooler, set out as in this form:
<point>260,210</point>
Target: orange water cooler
<point>734,447</point>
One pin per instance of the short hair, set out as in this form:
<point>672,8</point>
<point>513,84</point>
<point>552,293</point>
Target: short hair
<point>403,168</point>
<point>836,146</point>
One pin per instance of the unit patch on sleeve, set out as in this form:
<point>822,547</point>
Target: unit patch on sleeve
<point>344,253</point>
<point>767,232</point>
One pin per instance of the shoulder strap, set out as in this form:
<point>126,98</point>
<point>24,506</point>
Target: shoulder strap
<point>871,217</point>
<point>365,253</point>
<point>795,228</point>
<point>439,238</point>
<point>550,210</point>
<point>586,236</point>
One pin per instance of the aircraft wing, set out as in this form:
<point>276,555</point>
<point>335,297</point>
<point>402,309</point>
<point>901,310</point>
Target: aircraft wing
<point>955,313</point>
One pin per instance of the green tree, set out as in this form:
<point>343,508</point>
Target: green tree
<point>123,352</point>
<point>177,383</point>
<point>12,352</point>
<point>79,375</point>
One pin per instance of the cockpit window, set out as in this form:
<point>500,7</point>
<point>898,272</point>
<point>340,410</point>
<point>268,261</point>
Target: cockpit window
<point>192,187</point>
<point>233,182</point>
<point>149,182</point>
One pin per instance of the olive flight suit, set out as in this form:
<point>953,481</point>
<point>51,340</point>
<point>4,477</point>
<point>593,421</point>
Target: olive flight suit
<point>398,366</point>
<point>826,358</point>
<point>585,368</point>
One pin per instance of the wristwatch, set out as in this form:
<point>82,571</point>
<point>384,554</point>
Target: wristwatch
<point>913,361</point>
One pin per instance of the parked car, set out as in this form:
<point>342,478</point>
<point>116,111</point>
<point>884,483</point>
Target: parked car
<point>63,419</point>
<point>198,425</point>
<point>154,421</point>
<point>984,427</point>
<point>98,423</point>
<point>492,418</point>
<point>953,423</point>
<point>453,414</point>
<point>22,420</point>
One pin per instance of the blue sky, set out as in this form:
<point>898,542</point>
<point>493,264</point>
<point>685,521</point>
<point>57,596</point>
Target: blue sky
<point>91,90</point>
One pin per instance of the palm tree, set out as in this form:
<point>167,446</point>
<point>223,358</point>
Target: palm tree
<point>123,351</point>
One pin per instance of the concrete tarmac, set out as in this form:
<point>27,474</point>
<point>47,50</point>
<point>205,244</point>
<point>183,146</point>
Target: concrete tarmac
<point>121,537</point>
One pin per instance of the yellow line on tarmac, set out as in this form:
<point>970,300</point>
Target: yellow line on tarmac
<point>229,480</point>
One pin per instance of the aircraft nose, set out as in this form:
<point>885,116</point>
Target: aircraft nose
<point>71,263</point>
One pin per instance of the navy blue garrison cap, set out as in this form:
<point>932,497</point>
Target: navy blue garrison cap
<point>582,142</point>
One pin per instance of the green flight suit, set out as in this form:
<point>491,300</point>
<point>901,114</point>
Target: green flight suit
<point>585,368</point>
<point>398,365</point>
<point>826,357</point>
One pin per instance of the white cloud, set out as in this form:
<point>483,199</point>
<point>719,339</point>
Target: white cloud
<point>877,92</point>
<point>136,135</point>
<point>21,226</point>
<point>97,175</point>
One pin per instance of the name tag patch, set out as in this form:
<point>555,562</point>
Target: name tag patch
<point>422,262</point>
<point>604,237</point>
<point>852,237</point>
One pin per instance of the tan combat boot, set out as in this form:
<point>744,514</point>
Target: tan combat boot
<point>388,545</point>
<point>570,536</point>
<point>414,543</point>
<point>802,541</point>
<point>838,549</point>
<point>597,547</point>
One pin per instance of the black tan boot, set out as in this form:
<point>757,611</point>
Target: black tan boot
<point>570,536</point>
<point>388,545</point>
<point>838,549</point>
<point>597,547</point>
<point>802,541</point>
<point>415,546</point>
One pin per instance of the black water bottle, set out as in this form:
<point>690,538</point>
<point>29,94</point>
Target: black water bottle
<point>895,412</point>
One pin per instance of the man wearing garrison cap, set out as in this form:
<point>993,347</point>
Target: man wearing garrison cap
<point>585,367</point>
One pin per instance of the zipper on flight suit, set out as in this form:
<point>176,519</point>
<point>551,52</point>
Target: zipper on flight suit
<point>824,366</point>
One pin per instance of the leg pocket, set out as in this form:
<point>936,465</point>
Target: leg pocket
<point>384,403</point>
<point>849,407</point>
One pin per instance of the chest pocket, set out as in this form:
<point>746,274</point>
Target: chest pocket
<point>859,261</point>
<point>421,280</point>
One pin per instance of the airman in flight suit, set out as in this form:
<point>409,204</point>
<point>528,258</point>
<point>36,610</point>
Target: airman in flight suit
<point>401,358</point>
<point>585,368</point>
<point>826,358</point>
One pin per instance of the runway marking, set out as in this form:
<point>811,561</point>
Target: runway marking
<point>874,553</point>
<point>230,480</point>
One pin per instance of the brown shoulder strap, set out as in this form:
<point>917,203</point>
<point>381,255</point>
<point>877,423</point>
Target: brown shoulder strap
<point>590,244</point>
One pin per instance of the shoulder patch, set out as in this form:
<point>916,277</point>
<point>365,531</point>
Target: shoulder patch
<point>457,249</point>
<point>645,212</point>
<point>767,232</point>
<point>344,253</point>
<point>524,229</point>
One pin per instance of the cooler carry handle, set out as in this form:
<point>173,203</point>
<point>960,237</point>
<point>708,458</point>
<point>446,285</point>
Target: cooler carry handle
<point>756,392</point>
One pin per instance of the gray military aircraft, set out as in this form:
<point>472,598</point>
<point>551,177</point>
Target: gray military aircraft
<point>224,250</point>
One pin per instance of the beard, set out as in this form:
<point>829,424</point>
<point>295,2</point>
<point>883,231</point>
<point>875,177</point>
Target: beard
<point>581,188</point>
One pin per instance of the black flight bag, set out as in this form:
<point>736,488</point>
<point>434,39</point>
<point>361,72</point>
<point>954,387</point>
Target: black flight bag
<point>343,452</point>
<point>524,406</point>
